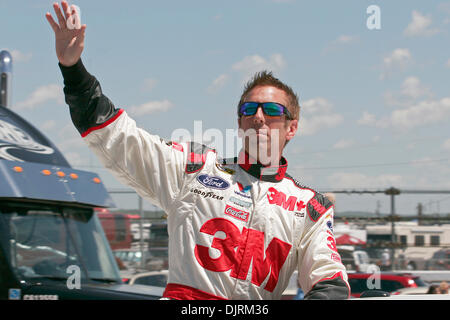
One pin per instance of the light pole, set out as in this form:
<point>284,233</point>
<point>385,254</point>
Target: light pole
<point>392,192</point>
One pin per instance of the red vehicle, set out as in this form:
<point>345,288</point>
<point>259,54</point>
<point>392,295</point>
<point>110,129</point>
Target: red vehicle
<point>389,282</point>
<point>117,227</point>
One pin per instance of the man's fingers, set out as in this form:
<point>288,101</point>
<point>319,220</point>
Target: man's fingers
<point>59,15</point>
<point>65,7</point>
<point>52,22</point>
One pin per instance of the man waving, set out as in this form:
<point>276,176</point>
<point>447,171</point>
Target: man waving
<point>238,228</point>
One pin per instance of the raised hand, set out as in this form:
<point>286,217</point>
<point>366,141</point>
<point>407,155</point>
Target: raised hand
<point>69,40</point>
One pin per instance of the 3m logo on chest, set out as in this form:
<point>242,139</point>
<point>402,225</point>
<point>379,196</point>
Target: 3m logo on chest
<point>279,198</point>
<point>238,250</point>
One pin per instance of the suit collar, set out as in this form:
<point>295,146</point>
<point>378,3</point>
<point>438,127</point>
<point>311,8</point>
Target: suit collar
<point>265,173</point>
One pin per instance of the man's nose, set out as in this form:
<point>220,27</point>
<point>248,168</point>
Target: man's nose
<point>259,115</point>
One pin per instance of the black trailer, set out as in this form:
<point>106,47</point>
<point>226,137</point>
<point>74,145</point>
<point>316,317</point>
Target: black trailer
<point>52,245</point>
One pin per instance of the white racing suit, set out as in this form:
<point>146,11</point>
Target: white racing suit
<point>237,230</point>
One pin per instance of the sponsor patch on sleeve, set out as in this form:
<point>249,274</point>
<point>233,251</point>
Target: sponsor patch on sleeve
<point>317,206</point>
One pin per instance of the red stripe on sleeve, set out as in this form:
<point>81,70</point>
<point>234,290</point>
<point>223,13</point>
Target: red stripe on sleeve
<point>104,124</point>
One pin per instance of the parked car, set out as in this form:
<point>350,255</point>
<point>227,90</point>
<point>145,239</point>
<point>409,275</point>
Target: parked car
<point>440,260</point>
<point>131,259</point>
<point>419,297</point>
<point>152,278</point>
<point>159,256</point>
<point>408,291</point>
<point>389,282</point>
<point>355,260</point>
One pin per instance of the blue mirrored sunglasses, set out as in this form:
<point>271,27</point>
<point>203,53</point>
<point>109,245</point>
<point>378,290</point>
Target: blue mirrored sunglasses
<point>272,109</point>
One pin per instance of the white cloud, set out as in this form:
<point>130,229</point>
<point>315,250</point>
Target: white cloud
<point>367,119</point>
<point>150,107</point>
<point>149,84</point>
<point>317,115</point>
<point>351,180</point>
<point>398,57</point>
<point>247,67</point>
<point>417,108</point>
<point>422,163</point>
<point>218,83</point>
<point>420,25</point>
<point>423,113</point>
<point>345,39</point>
<point>255,63</point>
<point>370,120</point>
<point>48,125</point>
<point>376,139</point>
<point>70,143</point>
<point>19,56</point>
<point>448,63</point>
<point>75,158</point>
<point>411,90</point>
<point>446,144</point>
<point>316,105</point>
<point>397,60</point>
<point>342,40</point>
<point>41,95</point>
<point>70,137</point>
<point>344,144</point>
<point>444,6</point>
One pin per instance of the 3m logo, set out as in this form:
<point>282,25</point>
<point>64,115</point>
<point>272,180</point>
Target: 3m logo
<point>317,206</point>
<point>279,198</point>
<point>316,209</point>
<point>240,250</point>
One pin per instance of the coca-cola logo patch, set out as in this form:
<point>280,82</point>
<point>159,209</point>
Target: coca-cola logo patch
<point>213,182</point>
<point>237,213</point>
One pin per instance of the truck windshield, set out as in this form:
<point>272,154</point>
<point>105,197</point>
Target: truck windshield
<point>42,241</point>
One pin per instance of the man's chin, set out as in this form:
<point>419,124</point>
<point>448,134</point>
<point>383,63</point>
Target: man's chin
<point>263,156</point>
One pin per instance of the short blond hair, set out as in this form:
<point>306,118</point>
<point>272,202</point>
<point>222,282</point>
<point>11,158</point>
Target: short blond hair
<point>266,78</point>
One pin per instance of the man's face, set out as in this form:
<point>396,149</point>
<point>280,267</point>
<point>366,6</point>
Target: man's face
<point>264,137</point>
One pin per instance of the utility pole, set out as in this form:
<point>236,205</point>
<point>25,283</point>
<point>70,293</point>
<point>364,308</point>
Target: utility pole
<point>419,214</point>
<point>141,232</point>
<point>377,211</point>
<point>392,192</point>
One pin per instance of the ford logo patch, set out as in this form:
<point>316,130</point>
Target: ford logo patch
<point>213,182</point>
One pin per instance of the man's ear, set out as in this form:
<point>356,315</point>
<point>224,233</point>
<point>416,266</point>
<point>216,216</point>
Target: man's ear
<point>292,129</point>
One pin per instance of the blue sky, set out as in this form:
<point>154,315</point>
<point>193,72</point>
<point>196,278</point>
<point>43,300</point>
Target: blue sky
<point>375,103</point>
